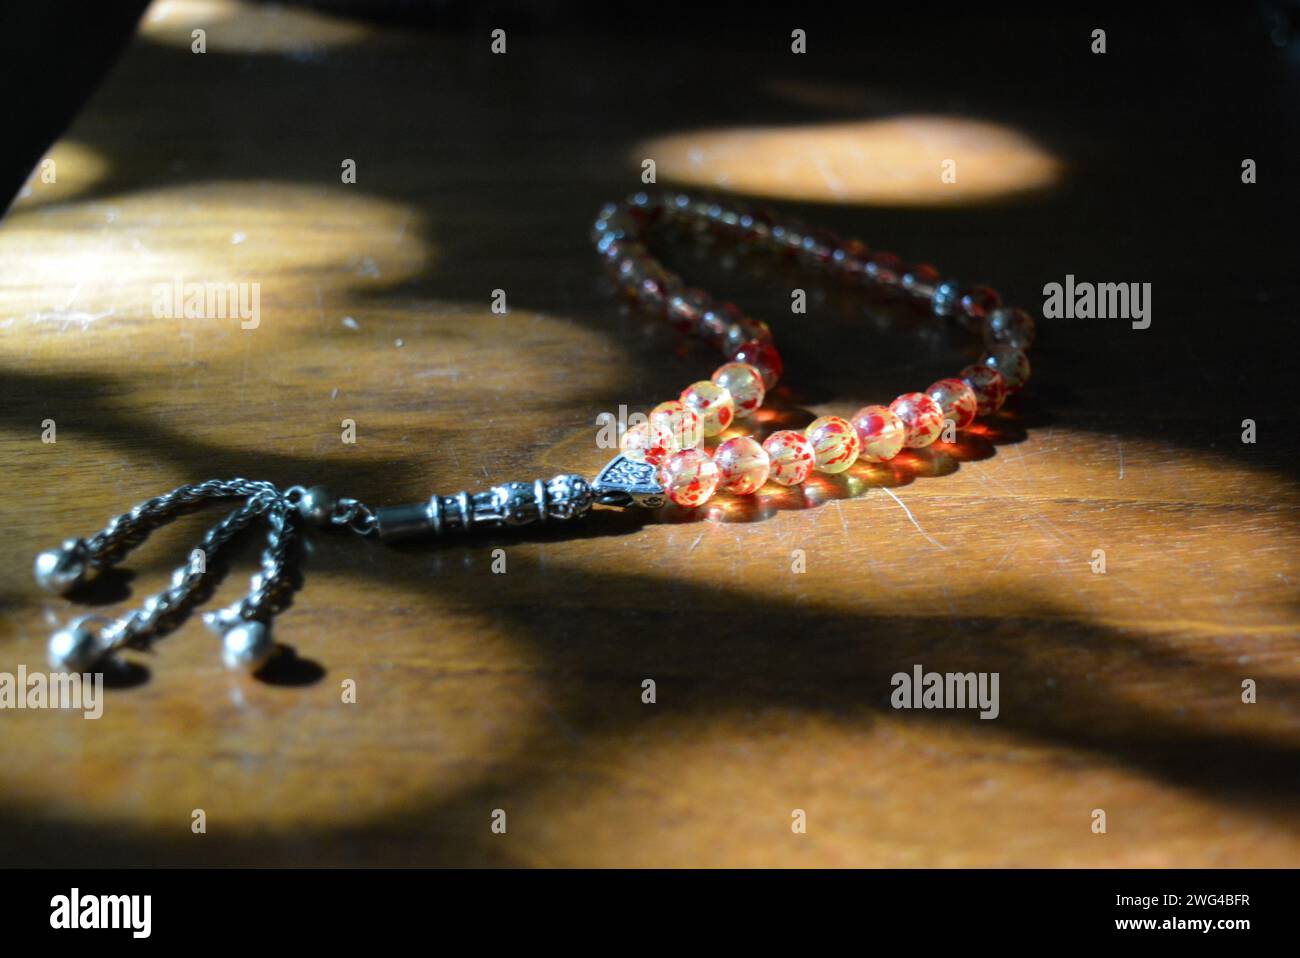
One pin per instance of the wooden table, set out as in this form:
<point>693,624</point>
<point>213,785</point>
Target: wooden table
<point>522,691</point>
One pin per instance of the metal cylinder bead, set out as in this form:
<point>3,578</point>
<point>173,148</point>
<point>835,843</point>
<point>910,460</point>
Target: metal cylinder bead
<point>403,522</point>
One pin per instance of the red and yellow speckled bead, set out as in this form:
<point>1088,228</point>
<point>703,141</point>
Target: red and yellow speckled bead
<point>956,399</point>
<point>689,477</point>
<point>988,385</point>
<point>681,421</point>
<point>791,455</point>
<point>880,432</point>
<point>922,419</point>
<point>835,443</point>
<point>744,382</point>
<point>713,403</point>
<point>648,442</point>
<point>743,465</point>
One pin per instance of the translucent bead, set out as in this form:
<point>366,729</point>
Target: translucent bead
<point>884,268</point>
<point>713,403</point>
<point>880,432</point>
<point>743,332</point>
<point>956,399</point>
<point>686,308</point>
<point>920,279</point>
<point>835,443</point>
<point>763,357</point>
<point>648,442</point>
<point>988,385</point>
<point>743,465</point>
<point>689,477</point>
<point>791,455</point>
<point>712,326</point>
<point>1009,327</point>
<point>1013,364</point>
<point>922,419</point>
<point>744,382</point>
<point>979,301</point>
<point>946,296</point>
<point>650,295</point>
<point>849,261</point>
<point>681,421</point>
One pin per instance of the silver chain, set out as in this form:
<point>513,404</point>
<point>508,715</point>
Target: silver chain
<point>242,625</point>
<point>159,611</point>
<point>123,533</point>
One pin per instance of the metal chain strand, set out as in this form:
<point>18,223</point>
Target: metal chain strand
<point>123,533</point>
<point>159,611</point>
<point>269,586</point>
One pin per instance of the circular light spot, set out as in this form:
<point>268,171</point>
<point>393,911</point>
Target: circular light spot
<point>899,161</point>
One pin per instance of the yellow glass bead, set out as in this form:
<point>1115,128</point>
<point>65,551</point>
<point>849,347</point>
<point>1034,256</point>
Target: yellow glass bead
<point>713,403</point>
<point>791,456</point>
<point>743,465</point>
<point>648,442</point>
<point>880,431</point>
<point>682,421</point>
<point>835,443</point>
<point>745,384</point>
<point>689,477</point>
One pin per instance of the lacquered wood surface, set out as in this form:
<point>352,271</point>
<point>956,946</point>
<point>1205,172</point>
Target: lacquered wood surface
<point>522,691</point>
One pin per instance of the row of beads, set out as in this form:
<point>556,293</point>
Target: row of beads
<point>672,437</point>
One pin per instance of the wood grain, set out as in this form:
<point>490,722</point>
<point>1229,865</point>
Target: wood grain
<point>522,691</point>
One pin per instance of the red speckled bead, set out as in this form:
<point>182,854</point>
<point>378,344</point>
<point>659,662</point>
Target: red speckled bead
<point>922,419</point>
<point>956,399</point>
<point>763,357</point>
<point>978,301</point>
<point>835,443</point>
<point>650,442</point>
<point>988,385</point>
<point>681,421</point>
<point>880,432</point>
<point>713,404</point>
<point>743,465</point>
<point>689,477</point>
<point>791,455</point>
<point>744,382</point>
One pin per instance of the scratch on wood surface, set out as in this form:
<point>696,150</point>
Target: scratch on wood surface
<point>1121,460</point>
<point>69,318</point>
<point>932,539</point>
<point>844,522</point>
